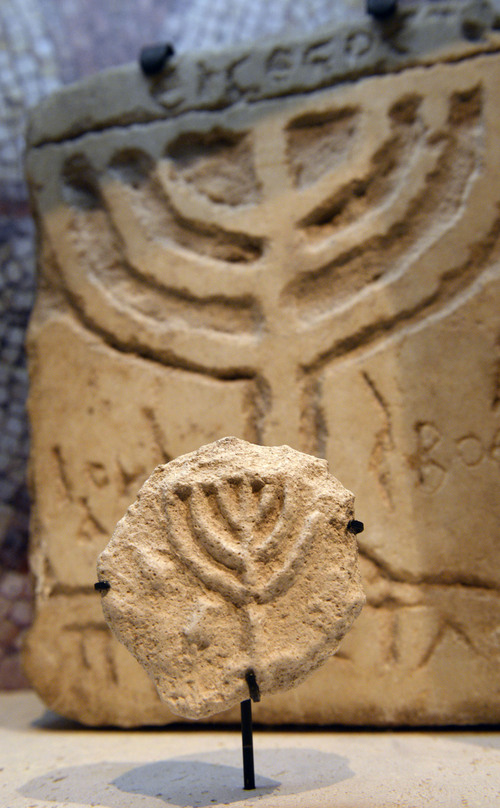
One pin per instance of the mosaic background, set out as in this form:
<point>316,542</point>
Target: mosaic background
<point>43,45</point>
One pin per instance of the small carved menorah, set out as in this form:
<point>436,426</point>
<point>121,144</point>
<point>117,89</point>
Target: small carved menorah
<point>235,559</point>
<point>242,523</point>
<point>234,574</point>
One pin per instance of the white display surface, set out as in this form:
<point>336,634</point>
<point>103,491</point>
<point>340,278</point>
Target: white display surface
<point>50,763</point>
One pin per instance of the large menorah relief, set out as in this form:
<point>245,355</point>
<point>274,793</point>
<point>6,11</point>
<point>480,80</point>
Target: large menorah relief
<point>282,242</point>
<point>317,269</point>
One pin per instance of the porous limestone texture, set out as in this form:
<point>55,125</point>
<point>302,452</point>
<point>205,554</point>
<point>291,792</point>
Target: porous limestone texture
<point>234,574</point>
<point>293,245</point>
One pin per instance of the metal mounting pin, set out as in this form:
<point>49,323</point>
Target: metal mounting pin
<point>380,9</point>
<point>153,58</point>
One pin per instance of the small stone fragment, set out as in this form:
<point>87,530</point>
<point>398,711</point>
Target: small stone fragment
<point>234,570</point>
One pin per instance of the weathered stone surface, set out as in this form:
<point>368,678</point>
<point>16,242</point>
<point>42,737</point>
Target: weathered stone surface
<point>320,270</point>
<point>234,560</point>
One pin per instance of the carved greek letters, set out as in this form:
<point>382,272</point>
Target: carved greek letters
<point>358,44</point>
<point>495,447</point>
<point>320,54</point>
<point>172,88</point>
<point>431,473</point>
<point>468,449</point>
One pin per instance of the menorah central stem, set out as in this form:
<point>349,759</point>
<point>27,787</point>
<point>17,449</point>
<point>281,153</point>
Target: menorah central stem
<point>282,423</point>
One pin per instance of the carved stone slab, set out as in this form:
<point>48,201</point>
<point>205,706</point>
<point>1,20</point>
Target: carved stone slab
<point>235,561</point>
<point>319,269</point>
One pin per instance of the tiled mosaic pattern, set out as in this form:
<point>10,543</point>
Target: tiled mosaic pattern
<point>15,617</point>
<point>27,72</point>
<point>44,44</point>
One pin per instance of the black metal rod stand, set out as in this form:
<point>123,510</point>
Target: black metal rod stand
<point>247,743</point>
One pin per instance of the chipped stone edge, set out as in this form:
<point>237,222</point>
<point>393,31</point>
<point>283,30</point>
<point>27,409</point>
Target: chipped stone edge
<point>419,34</point>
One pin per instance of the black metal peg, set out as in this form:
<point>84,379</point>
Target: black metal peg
<point>247,745</point>
<point>153,58</point>
<point>102,586</point>
<point>354,526</point>
<point>253,687</point>
<point>380,9</point>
